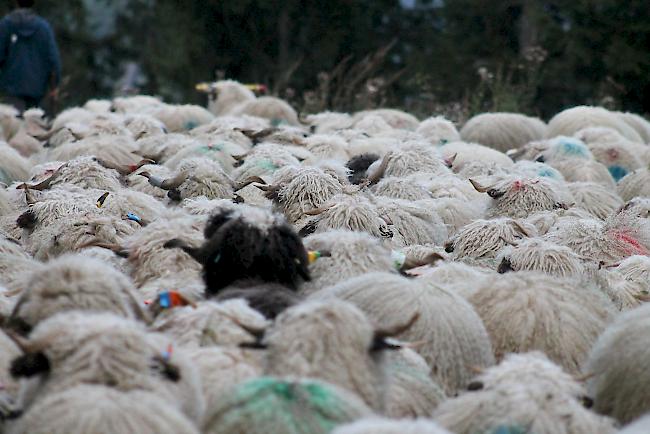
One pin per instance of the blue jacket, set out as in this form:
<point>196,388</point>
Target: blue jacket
<point>28,55</point>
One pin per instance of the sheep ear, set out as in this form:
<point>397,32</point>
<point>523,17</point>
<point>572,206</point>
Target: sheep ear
<point>27,220</point>
<point>308,229</point>
<point>29,365</point>
<point>169,370</point>
<point>586,401</point>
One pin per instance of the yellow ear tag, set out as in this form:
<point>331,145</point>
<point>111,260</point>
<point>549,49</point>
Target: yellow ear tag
<point>102,198</point>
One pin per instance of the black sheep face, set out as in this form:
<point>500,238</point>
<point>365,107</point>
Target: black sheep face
<point>238,250</point>
<point>358,166</point>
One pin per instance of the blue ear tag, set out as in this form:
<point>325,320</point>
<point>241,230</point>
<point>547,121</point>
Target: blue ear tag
<point>217,258</point>
<point>164,300</point>
<point>133,217</point>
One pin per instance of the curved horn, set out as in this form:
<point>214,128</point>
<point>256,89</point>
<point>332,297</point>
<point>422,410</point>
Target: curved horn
<point>194,252</point>
<point>171,183</point>
<point>24,344</point>
<point>510,243</point>
<point>318,211</point>
<point>45,183</point>
<point>521,228</point>
<point>397,329</point>
<point>381,170</point>
<point>124,169</point>
<point>642,297</point>
<point>585,377</point>
<point>478,187</point>
<point>428,260</point>
<point>115,248</point>
<point>248,181</point>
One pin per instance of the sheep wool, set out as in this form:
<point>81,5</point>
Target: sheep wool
<point>409,391</point>
<point>635,184</point>
<point>209,324</point>
<point>503,131</point>
<point>628,284</point>
<point>599,200</point>
<point>74,348</point>
<point>619,379</point>
<point>479,242</point>
<point>269,405</point>
<point>74,282</point>
<point>526,311</point>
<point>331,340</point>
<point>391,426</point>
<point>524,394</point>
<point>450,335</point>
<point>572,120</point>
<point>640,426</point>
<point>352,254</point>
<point>535,254</point>
<point>97,409</point>
<point>438,130</point>
<point>221,369</point>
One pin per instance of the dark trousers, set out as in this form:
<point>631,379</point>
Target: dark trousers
<point>22,103</point>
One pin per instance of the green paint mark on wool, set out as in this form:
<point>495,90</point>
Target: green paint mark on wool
<point>509,430</point>
<point>295,407</point>
<point>212,147</point>
<point>276,122</point>
<point>266,164</point>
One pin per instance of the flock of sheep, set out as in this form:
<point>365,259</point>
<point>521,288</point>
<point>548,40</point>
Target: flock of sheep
<point>171,269</point>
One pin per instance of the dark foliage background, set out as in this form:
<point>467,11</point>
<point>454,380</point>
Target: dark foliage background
<point>455,57</point>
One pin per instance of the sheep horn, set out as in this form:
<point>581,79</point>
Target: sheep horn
<point>521,228</point>
<point>240,157</point>
<point>194,252</point>
<point>317,211</point>
<point>449,162</point>
<point>514,154</point>
<point>585,377</point>
<point>478,187</point>
<point>428,260</point>
<point>123,169</point>
<point>398,329</point>
<point>115,248</point>
<point>381,170</point>
<point>43,184</point>
<point>169,183</point>
<point>248,181</point>
<point>29,197</point>
<point>511,243</point>
<point>24,344</point>
<point>642,297</point>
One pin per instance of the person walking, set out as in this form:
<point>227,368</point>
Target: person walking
<point>29,58</point>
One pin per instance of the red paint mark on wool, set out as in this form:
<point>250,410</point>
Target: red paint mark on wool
<point>612,153</point>
<point>635,247</point>
<point>517,185</point>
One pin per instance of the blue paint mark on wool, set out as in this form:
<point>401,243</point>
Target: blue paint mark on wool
<point>190,125</point>
<point>573,148</point>
<point>547,173</point>
<point>617,172</point>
